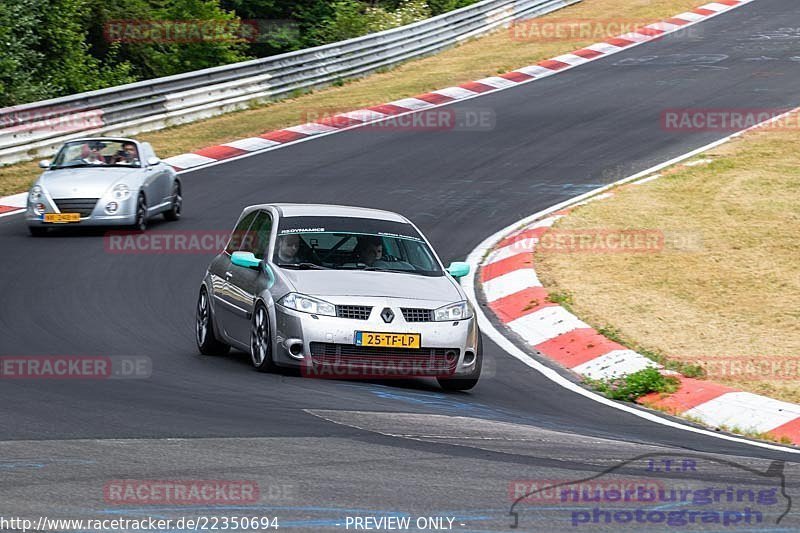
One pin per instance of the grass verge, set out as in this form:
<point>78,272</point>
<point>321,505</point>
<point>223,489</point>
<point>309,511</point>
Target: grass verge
<point>722,296</point>
<point>487,56</point>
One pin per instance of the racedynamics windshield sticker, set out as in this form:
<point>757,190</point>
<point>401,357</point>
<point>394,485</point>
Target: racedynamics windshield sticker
<point>290,231</point>
<point>302,230</point>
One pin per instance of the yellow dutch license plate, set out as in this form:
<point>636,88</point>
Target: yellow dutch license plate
<point>388,340</point>
<point>62,218</point>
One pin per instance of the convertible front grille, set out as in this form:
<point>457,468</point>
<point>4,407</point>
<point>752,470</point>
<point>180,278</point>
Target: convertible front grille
<point>356,312</point>
<point>365,361</point>
<point>84,206</point>
<point>417,315</point>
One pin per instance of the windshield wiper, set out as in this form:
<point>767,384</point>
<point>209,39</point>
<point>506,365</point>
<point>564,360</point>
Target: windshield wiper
<point>302,266</point>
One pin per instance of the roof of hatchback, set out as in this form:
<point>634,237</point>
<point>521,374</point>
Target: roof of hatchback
<point>324,210</point>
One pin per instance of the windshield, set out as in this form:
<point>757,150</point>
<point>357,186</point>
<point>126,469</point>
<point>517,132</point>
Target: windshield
<point>97,153</point>
<point>353,244</point>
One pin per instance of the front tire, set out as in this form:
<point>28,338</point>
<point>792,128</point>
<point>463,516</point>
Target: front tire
<point>469,381</point>
<point>207,342</point>
<point>140,223</point>
<point>261,341</point>
<point>174,212</point>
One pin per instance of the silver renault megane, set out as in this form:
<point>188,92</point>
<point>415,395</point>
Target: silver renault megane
<point>339,292</point>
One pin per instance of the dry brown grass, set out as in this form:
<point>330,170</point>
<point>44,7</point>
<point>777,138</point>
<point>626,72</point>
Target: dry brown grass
<point>487,56</point>
<point>733,294</point>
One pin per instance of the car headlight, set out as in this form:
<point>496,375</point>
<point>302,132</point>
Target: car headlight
<point>308,304</point>
<point>35,195</point>
<point>453,312</point>
<point>121,192</point>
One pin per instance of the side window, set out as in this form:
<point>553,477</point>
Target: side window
<point>418,256</point>
<point>146,152</point>
<point>390,248</point>
<point>237,237</point>
<point>257,238</point>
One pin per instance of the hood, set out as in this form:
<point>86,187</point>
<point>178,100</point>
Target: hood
<point>379,284</point>
<point>84,182</point>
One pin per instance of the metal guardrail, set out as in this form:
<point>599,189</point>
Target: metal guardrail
<point>39,128</point>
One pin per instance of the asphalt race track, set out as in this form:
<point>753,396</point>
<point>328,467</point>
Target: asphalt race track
<point>329,449</point>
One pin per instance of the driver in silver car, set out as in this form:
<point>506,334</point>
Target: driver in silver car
<point>289,249</point>
<point>370,252</point>
<point>128,155</point>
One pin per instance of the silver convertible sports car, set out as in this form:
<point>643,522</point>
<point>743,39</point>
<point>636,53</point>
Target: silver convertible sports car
<point>103,182</point>
<point>339,292</point>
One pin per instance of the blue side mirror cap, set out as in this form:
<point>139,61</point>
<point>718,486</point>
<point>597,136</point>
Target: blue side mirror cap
<point>458,269</point>
<point>245,259</point>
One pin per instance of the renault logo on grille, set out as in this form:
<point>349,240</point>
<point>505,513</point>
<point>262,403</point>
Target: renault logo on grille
<point>387,315</point>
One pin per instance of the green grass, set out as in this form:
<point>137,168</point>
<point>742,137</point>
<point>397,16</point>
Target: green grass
<point>633,386</point>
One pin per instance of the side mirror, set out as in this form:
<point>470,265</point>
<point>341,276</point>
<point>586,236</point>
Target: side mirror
<point>152,161</point>
<point>44,163</point>
<point>458,269</point>
<point>246,260</point>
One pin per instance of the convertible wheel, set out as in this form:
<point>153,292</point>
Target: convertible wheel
<point>469,381</point>
<point>207,342</point>
<point>174,212</point>
<point>37,231</point>
<point>261,341</point>
<point>141,214</point>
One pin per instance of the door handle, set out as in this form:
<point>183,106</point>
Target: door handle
<point>228,275</point>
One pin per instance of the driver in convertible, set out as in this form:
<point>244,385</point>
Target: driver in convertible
<point>128,155</point>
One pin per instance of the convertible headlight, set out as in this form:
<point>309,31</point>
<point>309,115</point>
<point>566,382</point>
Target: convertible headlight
<point>456,311</point>
<point>308,304</point>
<point>35,195</point>
<point>121,192</point>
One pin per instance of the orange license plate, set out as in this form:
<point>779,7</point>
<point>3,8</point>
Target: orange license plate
<point>62,218</point>
<point>388,340</point>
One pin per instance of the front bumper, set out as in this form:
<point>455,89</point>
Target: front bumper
<point>324,346</point>
<point>124,216</point>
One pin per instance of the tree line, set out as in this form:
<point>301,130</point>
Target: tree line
<point>51,48</point>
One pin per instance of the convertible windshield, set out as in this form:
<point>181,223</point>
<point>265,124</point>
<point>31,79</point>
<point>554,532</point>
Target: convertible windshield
<point>353,244</point>
<point>97,153</point>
